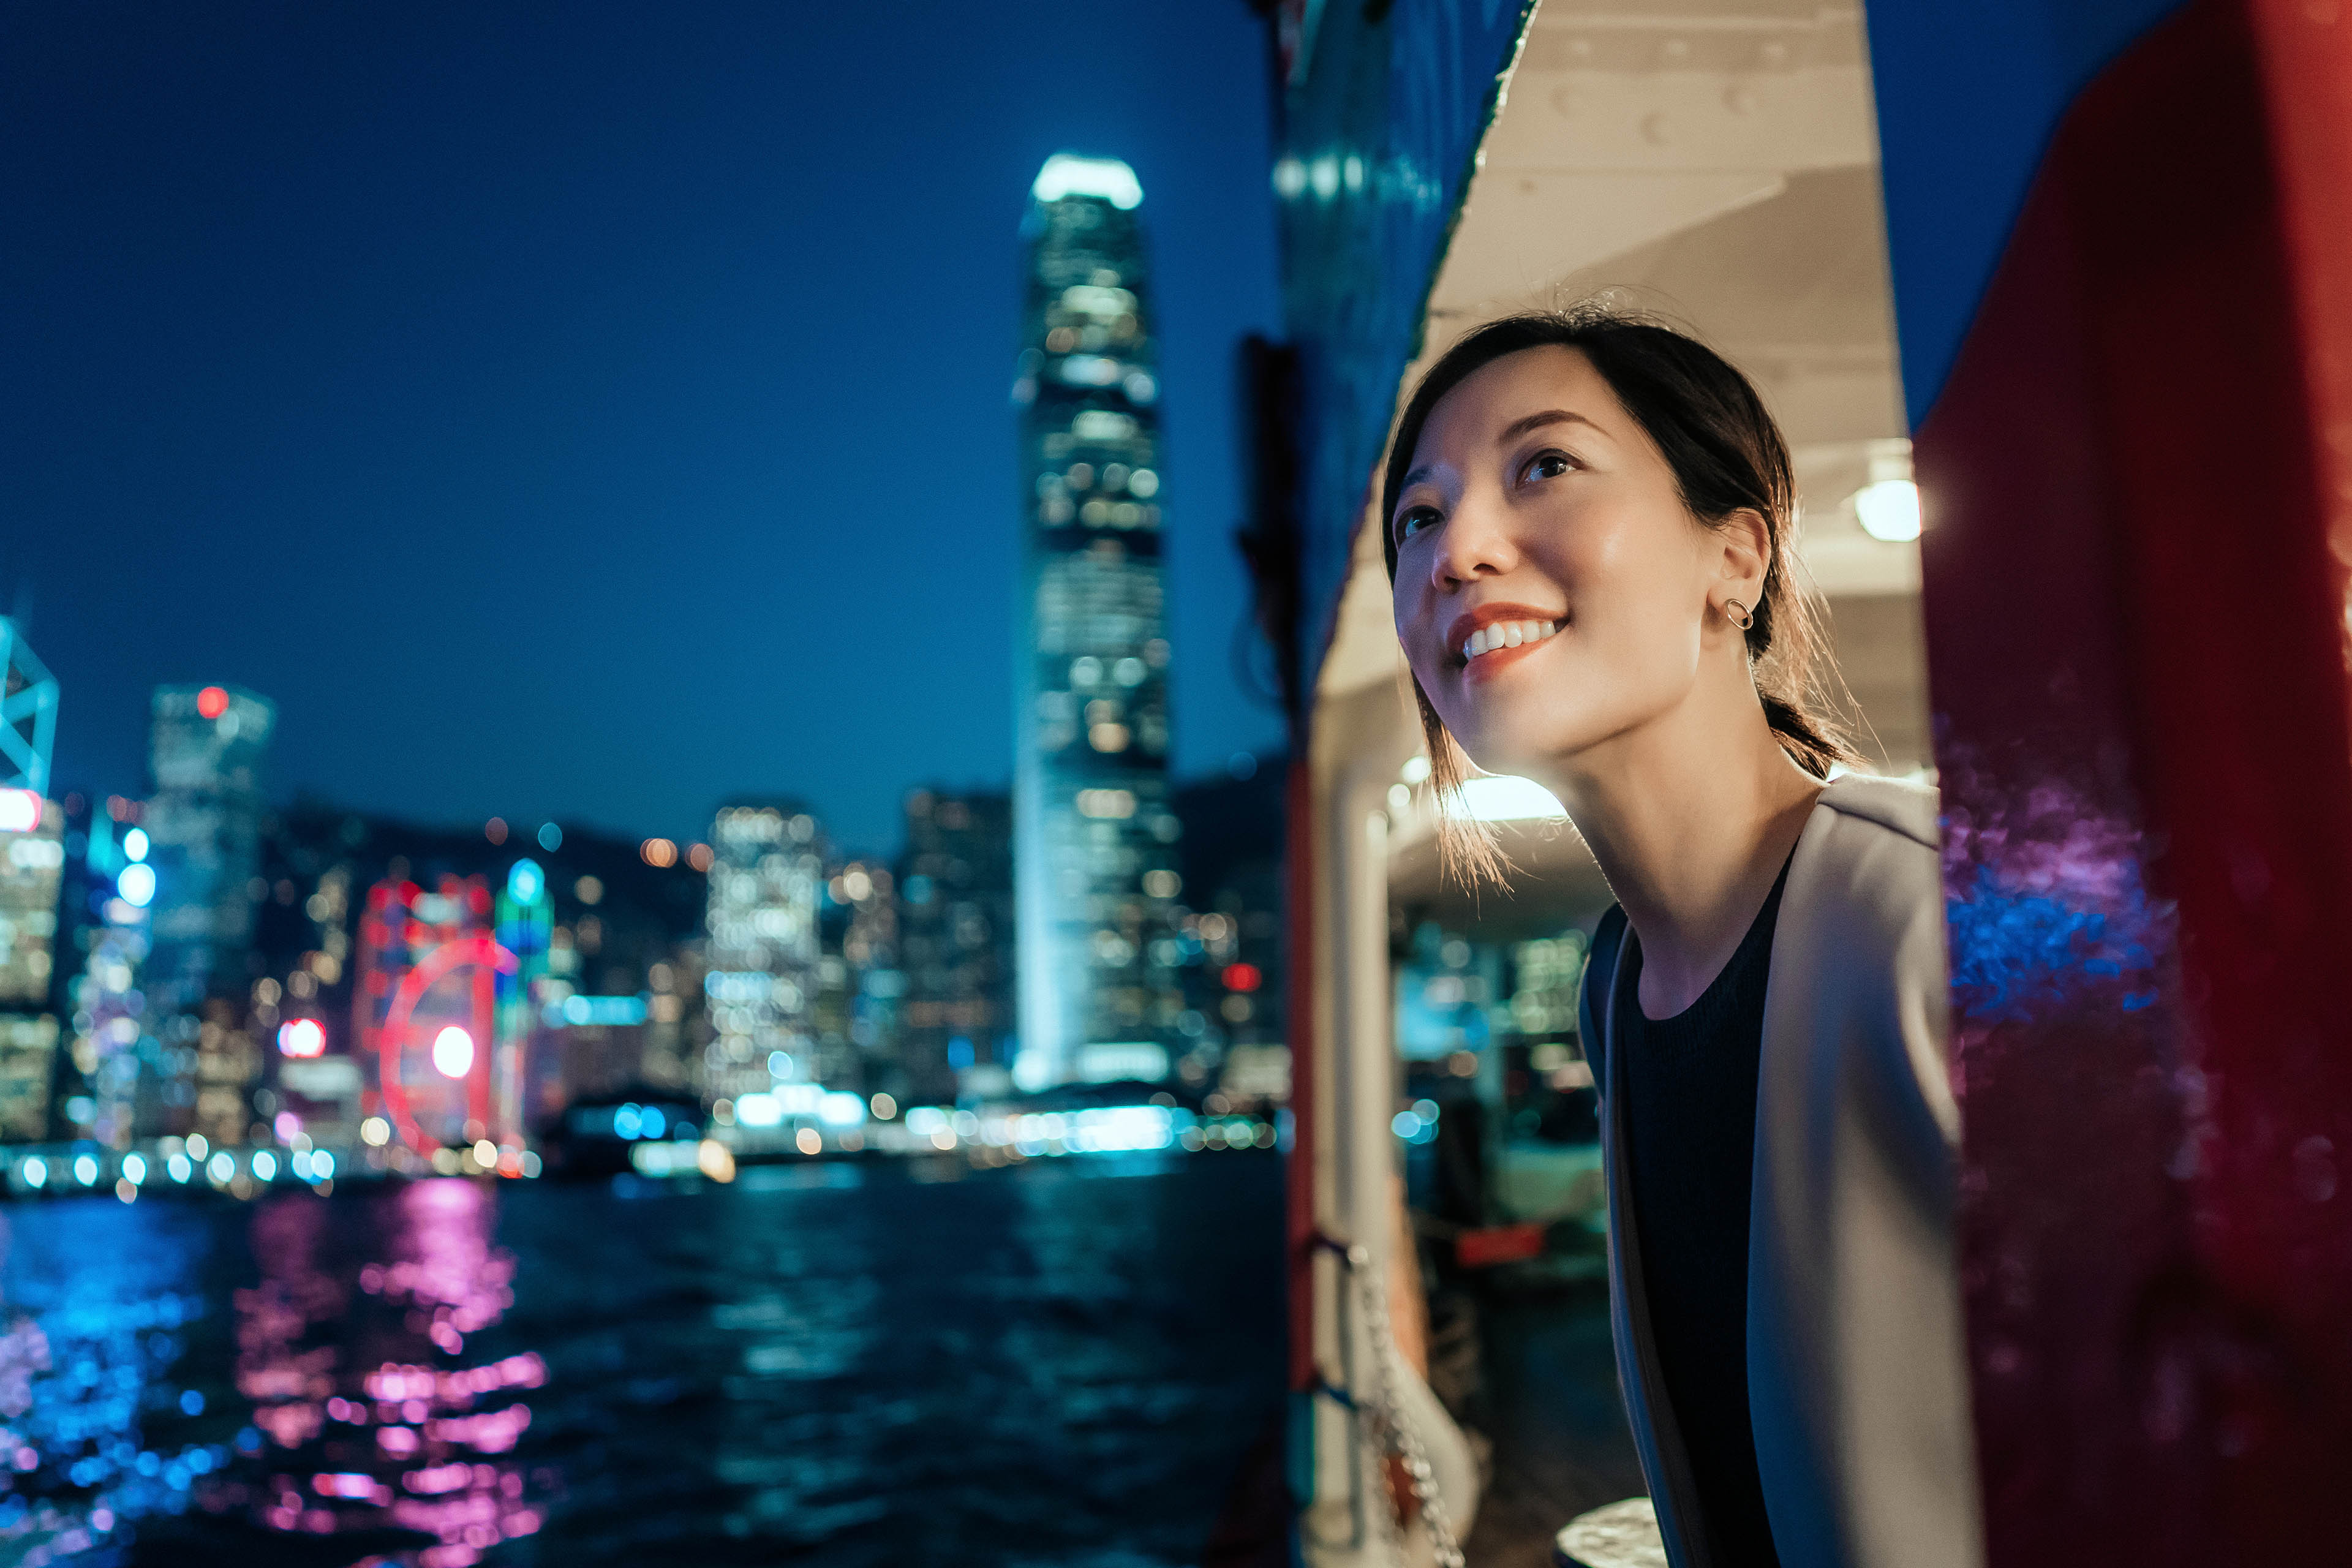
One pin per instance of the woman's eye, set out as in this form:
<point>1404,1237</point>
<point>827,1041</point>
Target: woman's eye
<point>1414,520</point>
<point>1545,466</point>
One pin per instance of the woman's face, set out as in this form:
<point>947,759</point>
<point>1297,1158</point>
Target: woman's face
<point>1551,587</point>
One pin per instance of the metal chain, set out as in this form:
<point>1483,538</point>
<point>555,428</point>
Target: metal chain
<point>1388,1432</point>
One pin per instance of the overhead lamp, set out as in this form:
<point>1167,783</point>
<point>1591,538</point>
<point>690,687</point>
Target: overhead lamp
<point>1889,510</point>
<point>1887,506</point>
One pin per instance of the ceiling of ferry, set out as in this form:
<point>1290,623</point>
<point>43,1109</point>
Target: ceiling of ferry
<point>1716,164</point>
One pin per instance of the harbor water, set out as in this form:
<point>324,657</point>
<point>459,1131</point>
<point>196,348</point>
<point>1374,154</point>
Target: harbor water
<point>1059,1362</point>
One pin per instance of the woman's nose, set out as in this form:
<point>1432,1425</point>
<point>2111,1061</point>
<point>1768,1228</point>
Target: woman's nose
<point>1471,546</point>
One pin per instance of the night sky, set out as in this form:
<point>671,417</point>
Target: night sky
<point>588,411</point>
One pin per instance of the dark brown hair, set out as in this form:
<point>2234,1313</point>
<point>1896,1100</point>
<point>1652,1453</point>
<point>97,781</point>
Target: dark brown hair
<point>1726,455</point>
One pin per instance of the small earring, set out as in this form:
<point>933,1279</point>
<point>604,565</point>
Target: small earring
<point>1737,613</point>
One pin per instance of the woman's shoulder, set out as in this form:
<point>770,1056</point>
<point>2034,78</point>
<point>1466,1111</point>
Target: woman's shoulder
<point>1898,805</point>
<point>1862,939</point>
<point>1868,860</point>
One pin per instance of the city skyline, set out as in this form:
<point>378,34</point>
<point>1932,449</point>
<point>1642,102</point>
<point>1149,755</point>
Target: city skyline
<point>453,420</point>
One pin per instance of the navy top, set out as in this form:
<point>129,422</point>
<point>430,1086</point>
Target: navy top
<point>1689,1083</point>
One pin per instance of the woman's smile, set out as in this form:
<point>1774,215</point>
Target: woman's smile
<point>1486,641</point>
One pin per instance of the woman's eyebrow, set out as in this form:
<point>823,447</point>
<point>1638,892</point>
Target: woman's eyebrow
<point>1511,432</point>
<point>1518,427</point>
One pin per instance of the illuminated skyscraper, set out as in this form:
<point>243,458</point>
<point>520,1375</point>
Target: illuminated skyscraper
<point>1093,834</point>
<point>32,863</point>
<point>29,713</point>
<point>955,898</point>
<point>761,988</point>
<point>205,747</point>
<point>112,1054</point>
<point>860,983</point>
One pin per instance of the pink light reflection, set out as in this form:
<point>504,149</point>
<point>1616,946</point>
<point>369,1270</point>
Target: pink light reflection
<point>406,1436</point>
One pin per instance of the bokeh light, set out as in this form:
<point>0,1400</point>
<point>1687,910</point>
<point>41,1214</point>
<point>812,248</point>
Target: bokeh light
<point>453,1052</point>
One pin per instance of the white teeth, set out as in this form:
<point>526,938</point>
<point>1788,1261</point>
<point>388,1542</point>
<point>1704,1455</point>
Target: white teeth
<point>1507,634</point>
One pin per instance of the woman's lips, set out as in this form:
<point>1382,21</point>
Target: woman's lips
<point>1488,665</point>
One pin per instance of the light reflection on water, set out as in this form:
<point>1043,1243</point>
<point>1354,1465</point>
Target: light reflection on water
<point>355,1361</point>
<point>97,1297</point>
<point>1047,1364</point>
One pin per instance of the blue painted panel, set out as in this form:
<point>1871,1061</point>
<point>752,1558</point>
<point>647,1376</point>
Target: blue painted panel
<point>1969,93</point>
<point>1378,137</point>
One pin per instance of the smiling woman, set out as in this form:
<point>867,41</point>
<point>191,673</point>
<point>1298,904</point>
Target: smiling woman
<point>1587,520</point>
<point>1628,417</point>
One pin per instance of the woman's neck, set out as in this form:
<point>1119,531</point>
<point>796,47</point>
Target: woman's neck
<point>1691,817</point>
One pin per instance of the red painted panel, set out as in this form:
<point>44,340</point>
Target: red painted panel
<point>2135,651</point>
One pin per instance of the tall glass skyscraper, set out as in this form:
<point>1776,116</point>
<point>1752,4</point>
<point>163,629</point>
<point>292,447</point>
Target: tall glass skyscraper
<point>206,746</point>
<point>957,939</point>
<point>767,870</point>
<point>1094,838</point>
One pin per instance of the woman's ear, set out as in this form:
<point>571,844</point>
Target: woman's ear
<point>1746,540</point>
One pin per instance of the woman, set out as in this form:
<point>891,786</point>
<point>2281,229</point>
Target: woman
<point>1587,519</point>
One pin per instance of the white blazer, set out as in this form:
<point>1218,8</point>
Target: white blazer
<point>1857,1386</point>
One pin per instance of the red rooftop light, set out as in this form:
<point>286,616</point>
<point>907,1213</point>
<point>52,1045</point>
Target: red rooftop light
<point>1243,977</point>
<point>212,702</point>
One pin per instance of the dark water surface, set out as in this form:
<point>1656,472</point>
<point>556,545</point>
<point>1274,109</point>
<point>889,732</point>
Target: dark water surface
<point>1056,1364</point>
